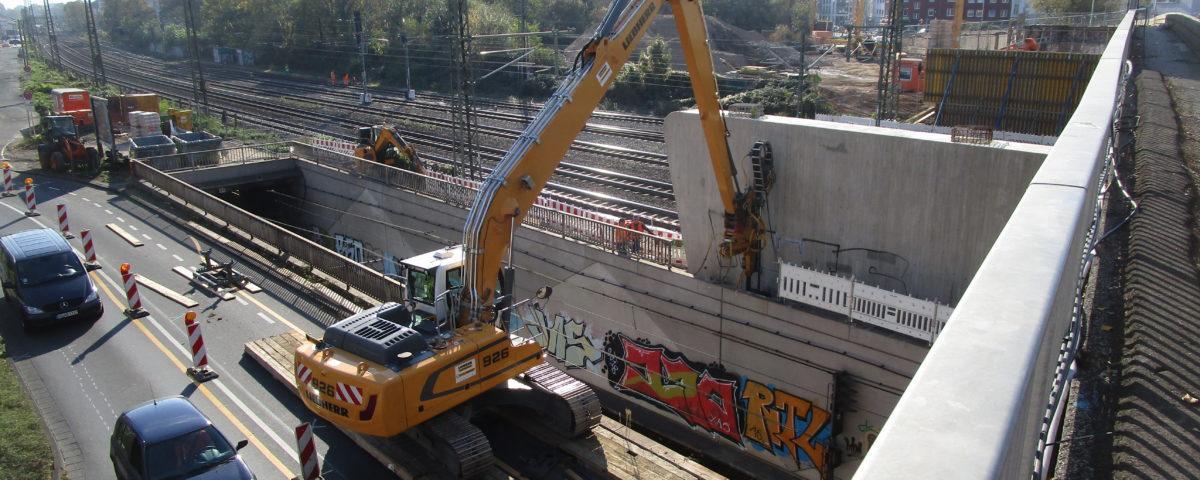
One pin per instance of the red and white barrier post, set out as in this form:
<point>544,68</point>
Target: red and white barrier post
<point>89,250</point>
<point>30,199</point>
<point>199,369</point>
<point>131,293</point>
<point>8,189</point>
<point>64,225</point>
<point>310,466</point>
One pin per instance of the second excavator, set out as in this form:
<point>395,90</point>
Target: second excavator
<point>425,366</point>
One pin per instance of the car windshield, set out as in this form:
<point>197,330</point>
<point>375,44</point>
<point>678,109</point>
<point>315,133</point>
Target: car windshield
<point>49,268</point>
<point>187,454</point>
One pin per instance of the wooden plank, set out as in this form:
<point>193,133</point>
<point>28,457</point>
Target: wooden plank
<point>662,454</point>
<point>166,292</point>
<point>250,286</point>
<point>124,235</point>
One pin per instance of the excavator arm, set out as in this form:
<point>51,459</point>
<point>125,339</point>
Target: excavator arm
<point>513,186</point>
<point>385,145</point>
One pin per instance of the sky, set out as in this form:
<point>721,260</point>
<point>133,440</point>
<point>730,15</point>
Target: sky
<point>17,3</point>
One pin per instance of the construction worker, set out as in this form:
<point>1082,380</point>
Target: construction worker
<point>625,238</point>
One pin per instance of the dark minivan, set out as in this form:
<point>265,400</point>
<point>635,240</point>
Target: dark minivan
<point>45,280</point>
<point>169,438</point>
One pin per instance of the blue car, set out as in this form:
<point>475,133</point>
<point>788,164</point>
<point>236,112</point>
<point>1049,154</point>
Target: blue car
<point>169,438</point>
<point>44,279</point>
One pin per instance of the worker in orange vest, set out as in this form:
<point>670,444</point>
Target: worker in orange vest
<point>626,240</point>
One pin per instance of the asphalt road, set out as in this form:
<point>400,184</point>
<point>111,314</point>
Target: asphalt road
<point>93,371</point>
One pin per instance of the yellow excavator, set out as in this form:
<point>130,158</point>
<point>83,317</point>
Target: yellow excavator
<point>385,145</point>
<point>424,366</point>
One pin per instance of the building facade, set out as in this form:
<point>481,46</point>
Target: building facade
<point>924,11</point>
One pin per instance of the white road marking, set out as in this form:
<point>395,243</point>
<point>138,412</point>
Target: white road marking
<point>160,246</point>
<point>177,258</point>
<point>10,207</point>
<point>147,237</point>
<point>85,199</point>
<point>52,187</point>
<point>131,227</point>
<point>119,219</point>
<point>265,317</point>
<point>288,450</point>
<point>73,194</point>
<point>108,211</point>
<point>243,302</point>
<point>97,205</point>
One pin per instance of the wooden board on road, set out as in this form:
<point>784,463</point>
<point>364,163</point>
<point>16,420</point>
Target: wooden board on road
<point>611,451</point>
<point>166,292</point>
<point>124,235</point>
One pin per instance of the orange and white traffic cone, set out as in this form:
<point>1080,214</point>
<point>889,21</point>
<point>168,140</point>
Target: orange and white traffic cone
<point>199,370</point>
<point>8,189</point>
<point>135,309</point>
<point>30,199</point>
<point>64,225</point>
<point>89,250</point>
<point>310,465</point>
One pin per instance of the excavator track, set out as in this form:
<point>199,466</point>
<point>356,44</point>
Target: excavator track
<point>575,409</point>
<point>462,447</point>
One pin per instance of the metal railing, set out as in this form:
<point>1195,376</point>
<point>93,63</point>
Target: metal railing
<point>977,406</point>
<point>347,271</point>
<point>606,236</point>
<point>220,157</point>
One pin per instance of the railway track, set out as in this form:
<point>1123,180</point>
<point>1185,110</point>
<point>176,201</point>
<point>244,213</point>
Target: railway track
<point>260,110</point>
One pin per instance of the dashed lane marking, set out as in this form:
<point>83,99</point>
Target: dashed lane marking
<point>97,205</point>
<point>132,227</point>
<point>119,219</point>
<point>243,302</point>
<point>160,246</point>
<point>177,258</point>
<point>147,237</point>
<point>108,211</point>
<point>265,317</point>
<point>73,194</point>
<point>85,199</point>
<point>269,311</point>
<point>203,388</point>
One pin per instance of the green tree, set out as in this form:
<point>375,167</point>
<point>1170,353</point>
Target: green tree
<point>1054,7</point>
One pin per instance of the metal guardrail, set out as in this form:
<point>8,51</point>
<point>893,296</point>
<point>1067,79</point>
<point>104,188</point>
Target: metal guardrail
<point>608,237</point>
<point>220,157</point>
<point>977,406</point>
<point>350,272</point>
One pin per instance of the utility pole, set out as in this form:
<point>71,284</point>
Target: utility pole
<point>365,98</point>
<point>199,89</point>
<point>98,75</point>
<point>887,91</point>
<point>462,111</point>
<point>522,69</point>
<point>52,36</point>
<point>409,93</point>
<point>23,24</point>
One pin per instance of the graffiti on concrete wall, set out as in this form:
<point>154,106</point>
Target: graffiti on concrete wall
<point>746,412</point>
<point>563,337</point>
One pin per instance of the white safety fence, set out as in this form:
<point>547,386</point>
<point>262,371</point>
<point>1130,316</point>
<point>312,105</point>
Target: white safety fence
<point>893,311</point>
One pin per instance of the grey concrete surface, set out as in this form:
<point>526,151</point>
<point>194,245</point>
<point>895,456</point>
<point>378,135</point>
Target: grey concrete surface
<point>975,407</point>
<point>598,295</point>
<point>911,212</point>
<point>89,372</point>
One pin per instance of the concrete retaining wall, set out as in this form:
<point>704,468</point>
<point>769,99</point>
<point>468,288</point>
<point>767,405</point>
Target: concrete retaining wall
<point>910,211</point>
<point>722,362</point>
<point>976,407</point>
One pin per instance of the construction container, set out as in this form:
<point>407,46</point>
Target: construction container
<point>911,75</point>
<point>139,102</point>
<point>70,99</point>
<point>199,146</point>
<point>151,146</point>
<point>181,118</point>
<point>143,124</point>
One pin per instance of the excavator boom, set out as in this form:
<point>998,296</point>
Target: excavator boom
<point>507,194</point>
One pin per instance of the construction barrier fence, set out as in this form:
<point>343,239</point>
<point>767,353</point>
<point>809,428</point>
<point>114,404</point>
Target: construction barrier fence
<point>1014,91</point>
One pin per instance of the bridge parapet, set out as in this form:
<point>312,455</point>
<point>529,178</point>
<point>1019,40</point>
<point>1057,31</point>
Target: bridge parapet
<point>980,403</point>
